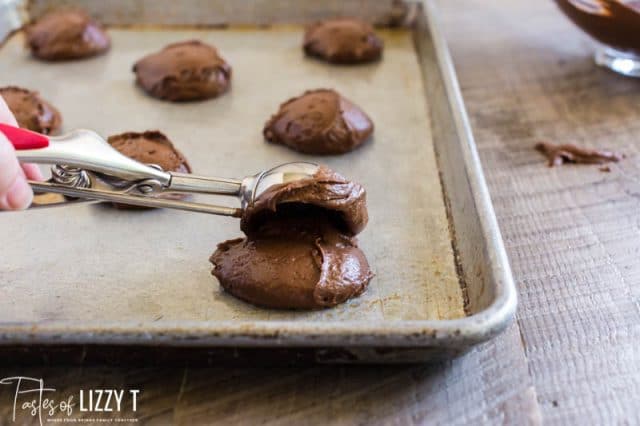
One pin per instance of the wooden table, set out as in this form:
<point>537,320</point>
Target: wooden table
<point>573,237</point>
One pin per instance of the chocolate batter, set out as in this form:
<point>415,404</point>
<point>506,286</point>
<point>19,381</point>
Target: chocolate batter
<point>319,122</point>
<point>327,191</point>
<point>31,111</point>
<point>68,34</point>
<point>568,153</point>
<point>343,41</point>
<point>613,22</point>
<point>151,147</point>
<point>300,251</point>
<point>185,71</point>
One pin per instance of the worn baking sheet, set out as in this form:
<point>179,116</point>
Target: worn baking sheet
<point>92,263</point>
<point>92,275</point>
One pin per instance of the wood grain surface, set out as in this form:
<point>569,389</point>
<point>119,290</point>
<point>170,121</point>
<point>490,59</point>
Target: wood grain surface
<point>572,233</point>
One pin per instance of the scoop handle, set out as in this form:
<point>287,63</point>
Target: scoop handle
<point>83,149</point>
<point>23,139</point>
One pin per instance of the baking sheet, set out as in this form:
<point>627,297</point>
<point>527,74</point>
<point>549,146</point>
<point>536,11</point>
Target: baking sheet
<point>91,264</point>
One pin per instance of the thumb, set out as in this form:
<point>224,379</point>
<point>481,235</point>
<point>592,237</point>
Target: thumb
<point>15,192</point>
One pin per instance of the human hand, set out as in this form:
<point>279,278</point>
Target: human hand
<point>15,192</point>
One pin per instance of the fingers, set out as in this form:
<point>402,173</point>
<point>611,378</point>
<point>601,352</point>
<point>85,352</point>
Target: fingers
<point>6,116</point>
<point>15,192</point>
<point>32,172</point>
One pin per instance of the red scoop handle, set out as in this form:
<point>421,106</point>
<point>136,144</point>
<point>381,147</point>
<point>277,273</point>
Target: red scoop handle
<point>23,139</point>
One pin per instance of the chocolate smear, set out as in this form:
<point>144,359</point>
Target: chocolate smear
<point>569,153</point>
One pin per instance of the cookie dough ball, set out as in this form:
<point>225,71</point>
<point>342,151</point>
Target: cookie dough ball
<point>343,41</point>
<point>300,250</point>
<point>319,122</point>
<point>297,265</point>
<point>326,190</point>
<point>64,35</point>
<point>185,71</point>
<point>151,147</point>
<point>31,111</point>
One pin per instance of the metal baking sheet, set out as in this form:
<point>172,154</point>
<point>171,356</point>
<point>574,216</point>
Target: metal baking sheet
<point>90,274</point>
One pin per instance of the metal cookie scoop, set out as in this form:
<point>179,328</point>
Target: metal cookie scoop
<point>85,166</point>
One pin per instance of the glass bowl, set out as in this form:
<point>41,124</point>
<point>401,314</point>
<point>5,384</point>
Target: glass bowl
<point>615,24</point>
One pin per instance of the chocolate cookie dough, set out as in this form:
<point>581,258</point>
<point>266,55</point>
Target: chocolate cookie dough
<point>327,191</point>
<point>300,251</point>
<point>319,122</point>
<point>568,153</point>
<point>185,71</point>
<point>31,111</point>
<point>151,147</point>
<point>343,41</point>
<point>64,35</point>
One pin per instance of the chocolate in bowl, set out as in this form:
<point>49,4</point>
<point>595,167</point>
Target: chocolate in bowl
<point>614,23</point>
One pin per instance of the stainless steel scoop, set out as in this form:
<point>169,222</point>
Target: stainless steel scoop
<point>86,167</point>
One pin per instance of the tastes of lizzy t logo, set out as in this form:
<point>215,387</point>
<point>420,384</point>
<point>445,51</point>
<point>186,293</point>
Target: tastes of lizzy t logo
<point>30,397</point>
